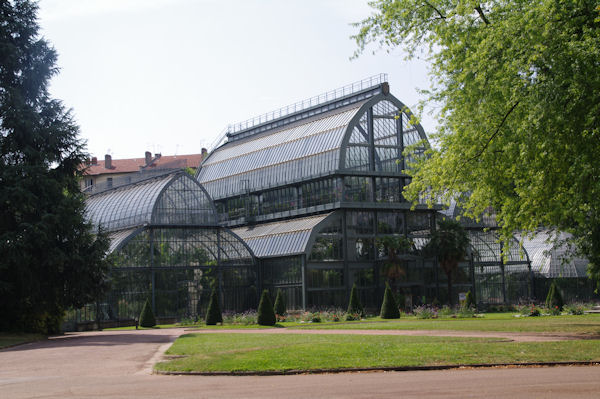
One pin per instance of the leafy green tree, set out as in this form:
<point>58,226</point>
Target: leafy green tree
<point>354,305</point>
<point>280,304</point>
<point>50,259</point>
<point>449,243</point>
<point>518,87</point>
<point>389,307</point>
<point>266,314</point>
<point>213,314</point>
<point>147,318</point>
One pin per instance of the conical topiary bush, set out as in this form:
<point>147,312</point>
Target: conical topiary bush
<point>354,305</point>
<point>554,300</point>
<point>266,313</point>
<point>469,301</point>
<point>389,307</point>
<point>280,304</point>
<point>147,318</point>
<point>213,314</point>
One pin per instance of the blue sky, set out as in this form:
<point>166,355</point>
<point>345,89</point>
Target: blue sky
<point>169,75</point>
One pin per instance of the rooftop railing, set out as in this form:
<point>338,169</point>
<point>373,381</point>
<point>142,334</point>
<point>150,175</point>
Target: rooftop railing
<point>338,93</point>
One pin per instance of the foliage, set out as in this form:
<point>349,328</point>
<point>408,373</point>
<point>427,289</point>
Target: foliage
<point>449,243</point>
<point>554,299</point>
<point>354,305</point>
<point>245,318</point>
<point>530,310</point>
<point>280,304</point>
<point>519,124</point>
<point>469,301</point>
<point>213,314</point>
<point>425,312</point>
<point>147,318</point>
<point>266,314</point>
<point>389,307</point>
<point>50,260</point>
<point>574,309</point>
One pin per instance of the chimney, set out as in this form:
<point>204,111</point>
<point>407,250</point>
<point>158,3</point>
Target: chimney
<point>204,153</point>
<point>94,161</point>
<point>107,162</point>
<point>148,156</point>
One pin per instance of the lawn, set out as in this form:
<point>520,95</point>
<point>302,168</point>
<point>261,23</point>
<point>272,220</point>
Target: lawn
<point>584,324</point>
<point>12,339</point>
<point>273,352</point>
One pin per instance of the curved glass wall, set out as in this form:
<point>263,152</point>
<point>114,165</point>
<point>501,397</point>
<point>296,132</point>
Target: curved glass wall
<point>167,246</point>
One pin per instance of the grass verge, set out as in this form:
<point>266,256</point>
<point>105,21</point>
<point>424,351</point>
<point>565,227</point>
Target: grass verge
<point>11,339</point>
<point>261,352</point>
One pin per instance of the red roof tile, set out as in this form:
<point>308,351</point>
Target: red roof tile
<point>135,164</point>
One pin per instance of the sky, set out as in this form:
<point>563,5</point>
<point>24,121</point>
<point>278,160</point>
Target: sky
<point>168,76</point>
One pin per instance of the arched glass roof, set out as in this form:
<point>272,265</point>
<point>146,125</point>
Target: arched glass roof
<point>173,199</point>
<point>367,135</point>
<point>274,158</point>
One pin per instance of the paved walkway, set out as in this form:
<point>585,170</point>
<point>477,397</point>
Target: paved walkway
<point>117,364</point>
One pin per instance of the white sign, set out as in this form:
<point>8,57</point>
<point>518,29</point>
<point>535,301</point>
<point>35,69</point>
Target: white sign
<point>462,296</point>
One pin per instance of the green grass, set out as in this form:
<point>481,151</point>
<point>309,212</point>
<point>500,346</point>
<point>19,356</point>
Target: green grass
<point>274,352</point>
<point>12,339</point>
<point>585,324</point>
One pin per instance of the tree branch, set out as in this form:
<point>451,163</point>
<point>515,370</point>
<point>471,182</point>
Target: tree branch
<point>442,16</point>
<point>495,132</point>
<point>482,15</point>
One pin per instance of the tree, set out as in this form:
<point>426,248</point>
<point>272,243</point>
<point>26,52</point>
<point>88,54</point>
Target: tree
<point>213,314</point>
<point>449,243</point>
<point>266,314</point>
<point>49,257</point>
<point>280,304</point>
<point>147,318</point>
<point>519,123</point>
<point>389,307</point>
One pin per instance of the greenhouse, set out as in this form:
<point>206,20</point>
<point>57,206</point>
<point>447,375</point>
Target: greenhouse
<point>167,246</point>
<point>306,199</point>
<point>315,190</point>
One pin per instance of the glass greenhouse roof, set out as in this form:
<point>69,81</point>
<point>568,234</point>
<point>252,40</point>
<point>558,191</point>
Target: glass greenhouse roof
<point>173,199</point>
<point>553,260</point>
<point>310,148</point>
<point>280,238</point>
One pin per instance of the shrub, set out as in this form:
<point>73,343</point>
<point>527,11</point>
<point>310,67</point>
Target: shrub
<point>213,314</point>
<point>354,305</point>
<point>147,318</point>
<point>466,312</point>
<point>316,317</point>
<point>389,307</point>
<point>446,311</point>
<point>280,309</point>
<point>425,312</point>
<point>554,299</point>
<point>352,316</point>
<point>574,309</point>
<point>266,313</point>
<point>469,301</point>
